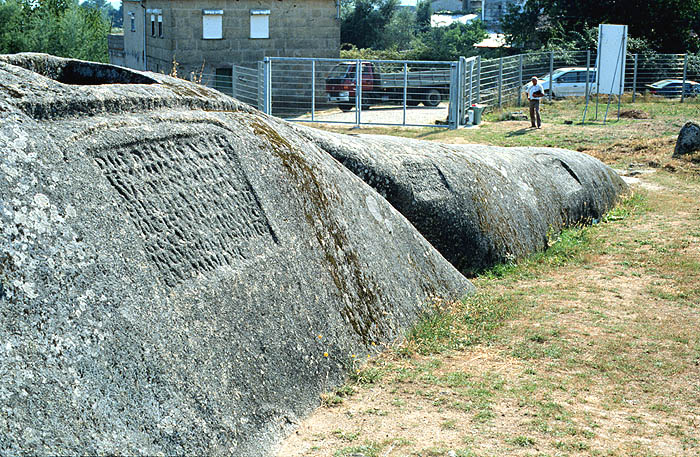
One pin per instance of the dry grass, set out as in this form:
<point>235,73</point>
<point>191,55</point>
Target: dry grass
<point>596,352</point>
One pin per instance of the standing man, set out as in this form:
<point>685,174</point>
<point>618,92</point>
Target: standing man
<point>534,94</point>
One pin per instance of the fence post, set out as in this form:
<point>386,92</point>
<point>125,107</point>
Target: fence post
<point>588,85</point>
<point>313,89</point>
<point>471,83</point>
<point>260,82</point>
<point>267,91</point>
<point>478,79</point>
<point>453,116</point>
<point>405,91</point>
<point>358,91</point>
<point>634,79</point>
<point>462,87</point>
<point>520,80</point>
<point>685,75</point>
<point>500,82</point>
<point>551,70</point>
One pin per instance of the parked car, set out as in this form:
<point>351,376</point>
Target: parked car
<point>672,88</point>
<point>427,86</point>
<point>568,82</point>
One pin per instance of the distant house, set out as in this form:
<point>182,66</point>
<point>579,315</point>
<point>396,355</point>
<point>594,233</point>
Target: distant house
<point>211,35</point>
<point>489,11</point>
<point>444,20</point>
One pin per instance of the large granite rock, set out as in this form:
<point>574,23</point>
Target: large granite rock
<point>479,205</point>
<point>175,267</point>
<point>688,139</point>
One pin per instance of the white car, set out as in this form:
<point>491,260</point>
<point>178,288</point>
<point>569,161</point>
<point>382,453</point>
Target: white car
<point>568,82</point>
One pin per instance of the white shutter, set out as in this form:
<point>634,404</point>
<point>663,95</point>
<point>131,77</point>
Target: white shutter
<point>212,26</point>
<point>260,23</point>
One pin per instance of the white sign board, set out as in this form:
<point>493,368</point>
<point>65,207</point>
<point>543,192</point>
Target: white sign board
<point>612,49</point>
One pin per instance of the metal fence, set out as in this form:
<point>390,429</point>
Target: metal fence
<point>424,93</point>
<point>390,92</point>
<point>242,83</point>
<point>502,80</point>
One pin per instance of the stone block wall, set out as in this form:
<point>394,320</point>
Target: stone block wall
<point>133,39</point>
<point>301,28</point>
<point>115,46</point>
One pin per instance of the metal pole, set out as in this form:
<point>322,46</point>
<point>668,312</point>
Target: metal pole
<point>461,91</point>
<point>452,120</point>
<point>358,91</point>
<point>313,89</point>
<point>478,79</point>
<point>268,86</point>
<point>500,82</point>
<point>551,70</point>
<point>520,80</point>
<point>685,75</point>
<point>405,90</point>
<point>588,97</point>
<point>634,79</point>
<point>462,95</point>
<point>623,56</point>
<point>597,84</point>
<point>471,82</point>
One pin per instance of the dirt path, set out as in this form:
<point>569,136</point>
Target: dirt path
<point>601,358</point>
<point>384,115</point>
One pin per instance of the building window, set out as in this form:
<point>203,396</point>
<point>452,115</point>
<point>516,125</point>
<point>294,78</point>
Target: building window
<point>132,20</point>
<point>260,23</point>
<point>160,25</point>
<point>212,24</point>
<point>153,25</point>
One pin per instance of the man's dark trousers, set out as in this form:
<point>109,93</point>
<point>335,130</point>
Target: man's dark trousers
<point>535,113</point>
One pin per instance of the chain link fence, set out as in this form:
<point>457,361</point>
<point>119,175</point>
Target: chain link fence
<point>424,93</point>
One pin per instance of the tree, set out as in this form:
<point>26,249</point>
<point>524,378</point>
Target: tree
<point>400,31</point>
<point>363,25</point>
<point>59,27</point>
<point>13,15</point>
<point>423,13</point>
<point>449,43</point>
<point>668,25</point>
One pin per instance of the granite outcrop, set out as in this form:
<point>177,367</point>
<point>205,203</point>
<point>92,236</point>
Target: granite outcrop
<point>479,205</point>
<point>180,274</point>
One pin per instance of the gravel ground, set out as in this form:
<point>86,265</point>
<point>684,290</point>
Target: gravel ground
<point>421,115</point>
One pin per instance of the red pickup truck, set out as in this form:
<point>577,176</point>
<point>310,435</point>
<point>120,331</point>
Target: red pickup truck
<point>427,86</point>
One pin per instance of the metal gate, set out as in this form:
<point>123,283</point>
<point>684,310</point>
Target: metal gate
<point>389,92</point>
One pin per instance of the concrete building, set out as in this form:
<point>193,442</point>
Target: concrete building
<point>494,10</point>
<point>209,36</point>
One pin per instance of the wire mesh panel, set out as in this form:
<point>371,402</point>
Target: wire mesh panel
<point>242,83</point>
<point>388,93</point>
<point>419,93</point>
<point>246,85</point>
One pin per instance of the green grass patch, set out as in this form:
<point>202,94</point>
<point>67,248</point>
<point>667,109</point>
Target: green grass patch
<point>458,325</point>
<point>522,441</point>
<point>366,450</point>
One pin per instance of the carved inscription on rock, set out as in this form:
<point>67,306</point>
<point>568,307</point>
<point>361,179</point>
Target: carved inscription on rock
<point>191,202</point>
